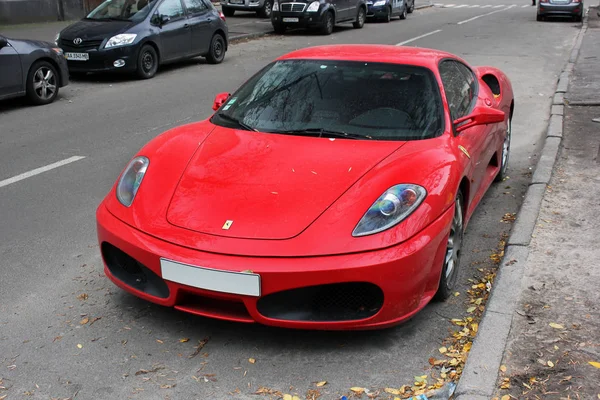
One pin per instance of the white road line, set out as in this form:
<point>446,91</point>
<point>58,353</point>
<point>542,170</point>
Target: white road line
<point>474,6</point>
<point>38,171</point>
<point>482,15</point>
<point>499,5</point>
<point>526,5</point>
<point>462,6</point>
<point>487,6</point>
<point>418,37</point>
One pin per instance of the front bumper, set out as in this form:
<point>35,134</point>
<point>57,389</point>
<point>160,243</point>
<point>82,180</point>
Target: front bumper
<point>63,70</point>
<point>247,5</point>
<point>377,12</point>
<point>393,283</point>
<point>305,20</point>
<point>101,60</point>
<point>569,10</point>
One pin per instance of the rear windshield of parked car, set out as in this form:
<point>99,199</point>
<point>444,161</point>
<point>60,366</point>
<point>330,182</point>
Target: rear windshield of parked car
<point>377,101</point>
<point>127,10</point>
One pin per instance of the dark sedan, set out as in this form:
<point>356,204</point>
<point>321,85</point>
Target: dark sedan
<point>560,8</point>
<point>139,35</point>
<point>31,68</point>
<point>385,10</point>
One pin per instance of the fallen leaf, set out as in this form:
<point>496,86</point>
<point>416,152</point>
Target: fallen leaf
<point>503,368</point>
<point>471,309</point>
<point>167,386</point>
<point>505,397</point>
<point>594,364</point>
<point>79,346</point>
<point>556,326</point>
<point>83,296</point>
<point>392,391</point>
<point>358,390</point>
<point>550,364</point>
<point>201,344</point>
<point>443,350</point>
<point>456,294</point>
<point>321,384</point>
<point>84,321</point>
<point>57,338</point>
<point>159,341</point>
<point>184,340</point>
<point>251,360</point>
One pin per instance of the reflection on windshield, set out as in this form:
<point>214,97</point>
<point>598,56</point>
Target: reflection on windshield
<point>133,10</point>
<point>355,99</point>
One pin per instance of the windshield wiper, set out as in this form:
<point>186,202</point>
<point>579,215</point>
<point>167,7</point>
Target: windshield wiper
<point>320,132</point>
<point>236,121</point>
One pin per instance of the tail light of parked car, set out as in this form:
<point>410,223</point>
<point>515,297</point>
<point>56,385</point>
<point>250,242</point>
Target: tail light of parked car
<point>222,16</point>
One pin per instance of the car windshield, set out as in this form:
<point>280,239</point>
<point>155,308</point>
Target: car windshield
<point>357,100</point>
<point>126,10</point>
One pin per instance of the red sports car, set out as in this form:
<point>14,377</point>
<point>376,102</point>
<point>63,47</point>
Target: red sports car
<point>331,191</point>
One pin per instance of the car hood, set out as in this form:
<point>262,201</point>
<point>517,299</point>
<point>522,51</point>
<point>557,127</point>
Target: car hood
<point>25,46</point>
<point>269,186</point>
<point>94,30</point>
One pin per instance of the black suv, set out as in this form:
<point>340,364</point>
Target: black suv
<point>320,14</point>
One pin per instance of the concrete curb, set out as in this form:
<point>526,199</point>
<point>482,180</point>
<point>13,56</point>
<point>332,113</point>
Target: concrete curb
<point>480,374</point>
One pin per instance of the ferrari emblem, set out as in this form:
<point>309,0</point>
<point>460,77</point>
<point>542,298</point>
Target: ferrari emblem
<point>227,224</point>
<point>464,151</point>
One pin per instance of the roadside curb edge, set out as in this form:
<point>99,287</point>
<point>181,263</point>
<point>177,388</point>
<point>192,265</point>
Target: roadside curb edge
<point>481,370</point>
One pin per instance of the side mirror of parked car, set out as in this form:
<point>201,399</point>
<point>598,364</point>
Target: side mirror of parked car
<point>164,19</point>
<point>219,100</point>
<point>3,42</point>
<point>479,116</point>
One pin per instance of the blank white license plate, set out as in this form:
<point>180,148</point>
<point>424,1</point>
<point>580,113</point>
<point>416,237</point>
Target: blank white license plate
<point>290,20</point>
<point>243,283</point>
<point>77,56</point>
<point>236,1</point>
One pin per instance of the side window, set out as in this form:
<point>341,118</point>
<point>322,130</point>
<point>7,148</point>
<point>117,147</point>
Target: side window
<point>460,86</point>
<point>171,8</point>
<point>195,6</point>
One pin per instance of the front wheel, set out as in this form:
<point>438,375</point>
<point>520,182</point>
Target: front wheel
<point>216,53</point>
<point>411,8</point>
<point>404,13</point>
<point>267,8</point>
<point>453,252</point>
<point>539,18</point>
<point>360,18</point>
<point>505,154</point>
<point>42,83</point>
<point>328,23</point>
<point>147,62</point>
<point>388,15</point>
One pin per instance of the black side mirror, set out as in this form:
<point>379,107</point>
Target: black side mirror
<point>164,19</point>
<point>3,42</point>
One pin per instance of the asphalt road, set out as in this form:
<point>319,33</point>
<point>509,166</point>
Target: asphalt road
<point>49,255</point>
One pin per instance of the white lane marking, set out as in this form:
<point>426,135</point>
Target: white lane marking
<point>526,5</point>
<point>482,15</point>
<point>418,37</point>
<point>487,6</point>
<point>38,171</point>
<point>499,5</point>
<point>474,6</point>
<point>462,6</point>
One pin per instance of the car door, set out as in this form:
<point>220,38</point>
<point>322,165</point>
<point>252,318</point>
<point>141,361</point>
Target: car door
<point>175,32</point>
<point>460,85</point>
<point>11,74</point>
<point>200,18</point>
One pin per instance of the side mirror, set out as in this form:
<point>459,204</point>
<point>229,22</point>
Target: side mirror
<point>479,116</point>
<point>3,42</point>
<point>220,99</point>
<point>164,19</point>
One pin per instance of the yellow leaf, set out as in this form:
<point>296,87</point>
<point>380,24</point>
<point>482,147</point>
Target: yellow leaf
<point>80,346</point>
<point>471,309</point>
<point>556,326</point>
<point>159,341</point>
<point>474,327</point>
<point>392,391</point>
<point>456,294</point>
<point>357,390</point>
<point>550,364</point>
<point>184,340</point>
<point>251,360</point>
<point>443,350</point>
<point>594,364</point>
<point>503,368</point>
<point>287,397</point>
<point>321,384</point>
<point>84,321</point>
<point>505,397</point>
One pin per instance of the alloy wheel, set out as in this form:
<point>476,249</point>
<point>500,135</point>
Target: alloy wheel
<point>454,247</point>
<point>44,83</point>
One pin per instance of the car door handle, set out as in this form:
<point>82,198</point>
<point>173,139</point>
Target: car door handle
<point>186,25</point>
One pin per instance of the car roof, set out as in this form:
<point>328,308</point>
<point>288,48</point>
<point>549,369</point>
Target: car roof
<point>417,56</point>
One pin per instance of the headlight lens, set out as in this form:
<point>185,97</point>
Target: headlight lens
<point>393,206</point>
<point>131,180</point>
<point>56,38</point>
<point>58,51</point>
<point>379,3</point>
<point>275,6</point>
<point>120,40</point>
<point>313,7</point>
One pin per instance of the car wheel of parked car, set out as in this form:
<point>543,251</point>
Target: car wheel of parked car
<point>265,11</point>
<point>147,62</point>
<point>279,29</point>
<point>505,153</point>
<point>216,54</point>
<point>412,7</point>
<point>228,12</point>
<point>360,18</point>
<point>388,15</point>
<point>449,274</point>
<point>328,23</point>
<point>404,13</point>
<point>42,83</point>
<point>539,18</point>
<point>578,18</point>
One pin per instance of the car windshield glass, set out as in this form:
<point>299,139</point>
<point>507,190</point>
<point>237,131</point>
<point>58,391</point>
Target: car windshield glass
<point>357,100</point>
<point>126,10</point>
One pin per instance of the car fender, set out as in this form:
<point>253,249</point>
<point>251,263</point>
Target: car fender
<point>499,84</point>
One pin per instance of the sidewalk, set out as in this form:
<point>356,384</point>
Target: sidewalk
<point>552,350</point>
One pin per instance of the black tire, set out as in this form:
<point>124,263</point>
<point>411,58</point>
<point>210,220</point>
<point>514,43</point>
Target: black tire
<point>388,16</point>
<point>228,11</point>
<point>412,7</point>
<point>539,18</point>
<point>147,62</point>
<point>42,83</point>
<point>279,29</point>
<point>504,157</point>
<point>216,53</point>
<point>404,13</point>
<point>361,17</point>
<point>267,8</point>
<point>328,22</point>
<point>578,18</point>
<point>450,269</point>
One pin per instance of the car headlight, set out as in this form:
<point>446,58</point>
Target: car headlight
<point>58,51</point>
<point>393,206</point>
<point>313,7</point>
<point>379,3</point>
<point>56,38</point>
<point>275,6</point>
<point>120,40</point>
<point>131,180</point>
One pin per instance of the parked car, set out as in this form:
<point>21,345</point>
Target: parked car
<point>330,191</point>
<point>263,8</point>
<point>31,68</point>
<point>319,14</point>
<point>138,36</point>
<point>560,8</point>
<point>385,10</point>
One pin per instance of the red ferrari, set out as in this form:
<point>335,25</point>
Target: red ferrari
<point>330,191</point>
